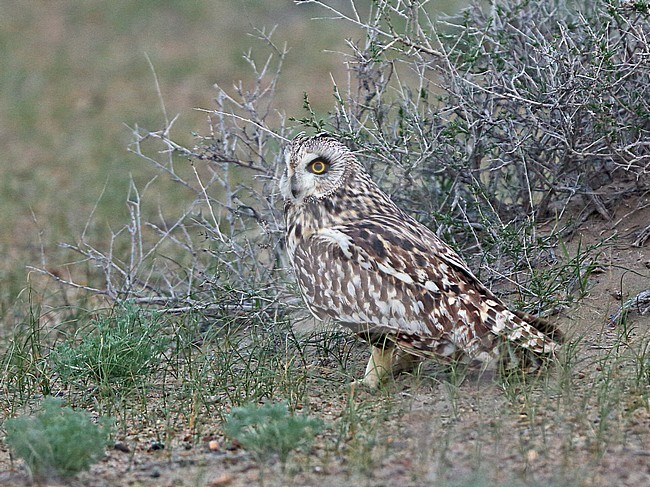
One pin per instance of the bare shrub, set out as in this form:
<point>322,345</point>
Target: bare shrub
<point>218,252</point>
<point>513,110</point>
<point>482,125</point>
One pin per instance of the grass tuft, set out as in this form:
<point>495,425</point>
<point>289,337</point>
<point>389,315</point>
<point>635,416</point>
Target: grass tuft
<point>121,350</point>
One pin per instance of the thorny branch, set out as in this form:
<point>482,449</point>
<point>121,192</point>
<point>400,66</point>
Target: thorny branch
<point>481,125</point>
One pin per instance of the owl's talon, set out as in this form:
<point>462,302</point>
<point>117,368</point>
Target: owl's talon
<point>363,385</point>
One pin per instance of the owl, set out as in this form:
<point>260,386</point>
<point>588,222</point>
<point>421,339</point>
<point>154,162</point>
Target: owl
<point>362,261</point>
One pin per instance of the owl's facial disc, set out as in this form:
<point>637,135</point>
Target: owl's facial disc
<point>308,176</point>
<point>315,169</point>
<point>302,181</point>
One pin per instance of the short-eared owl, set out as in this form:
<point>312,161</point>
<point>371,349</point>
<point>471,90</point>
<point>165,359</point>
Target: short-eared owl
<point>362,261</point>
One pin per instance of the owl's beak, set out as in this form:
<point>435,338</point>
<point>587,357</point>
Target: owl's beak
<point>294,186</point>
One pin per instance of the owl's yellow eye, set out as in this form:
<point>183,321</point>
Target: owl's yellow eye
<point>318,166</point>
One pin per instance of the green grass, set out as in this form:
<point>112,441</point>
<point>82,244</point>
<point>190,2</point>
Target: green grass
<point>70,87</point>
<point>113,352</point>
<point>255,383</point>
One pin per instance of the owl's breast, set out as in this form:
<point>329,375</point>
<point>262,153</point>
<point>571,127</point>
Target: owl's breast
<point>337,282</point>
<point>302,221</point>
<point>323,280</point>
<point>298,227</point>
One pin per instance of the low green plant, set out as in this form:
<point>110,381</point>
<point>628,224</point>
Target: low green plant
<point>122,348</point>
<point>271,429</point>
<point>58,440</point>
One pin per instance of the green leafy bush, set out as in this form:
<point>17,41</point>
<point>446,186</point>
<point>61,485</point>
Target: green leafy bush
<point>271,429</point>
<point>58,440</point>
<point>122,348</point>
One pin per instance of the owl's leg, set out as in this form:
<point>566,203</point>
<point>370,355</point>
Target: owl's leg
<point>405,362</point>
<point>387,360</point>
<point>379,366</point>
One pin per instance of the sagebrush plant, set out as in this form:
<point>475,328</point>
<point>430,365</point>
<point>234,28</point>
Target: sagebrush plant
<point>57,440</point>
<point>481,125</point>
<point>271,429</point>
<point>120,349</point>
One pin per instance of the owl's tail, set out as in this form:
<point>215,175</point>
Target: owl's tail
<point>538,341</point>
<point>542,325</point>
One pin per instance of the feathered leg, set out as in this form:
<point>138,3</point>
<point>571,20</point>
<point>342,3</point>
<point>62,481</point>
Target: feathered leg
<point>384,361</point>
<point>379,365</point>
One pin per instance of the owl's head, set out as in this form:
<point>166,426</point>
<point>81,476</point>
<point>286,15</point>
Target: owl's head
<point>316,167</point>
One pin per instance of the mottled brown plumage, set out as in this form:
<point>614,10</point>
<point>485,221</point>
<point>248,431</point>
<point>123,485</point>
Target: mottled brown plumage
<point>362,261</point>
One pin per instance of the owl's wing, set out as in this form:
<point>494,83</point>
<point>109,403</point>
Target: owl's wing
<point>393,276</point>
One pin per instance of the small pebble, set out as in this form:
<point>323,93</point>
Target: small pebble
<point>156,445</point>
<point>225,479</point>
<point>123,447</point>
<point>531,455</point>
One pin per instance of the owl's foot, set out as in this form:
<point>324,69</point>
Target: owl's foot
<point>379,366</point>
<point>386,361</point>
